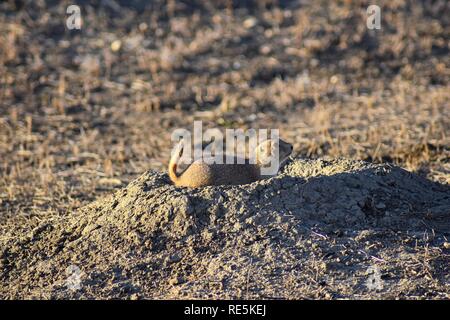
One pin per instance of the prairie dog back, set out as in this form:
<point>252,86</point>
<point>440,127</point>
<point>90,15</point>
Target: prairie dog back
<point>201,173</point>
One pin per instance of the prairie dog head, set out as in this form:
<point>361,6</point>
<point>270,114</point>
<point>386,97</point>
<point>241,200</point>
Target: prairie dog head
<point>273,152</point>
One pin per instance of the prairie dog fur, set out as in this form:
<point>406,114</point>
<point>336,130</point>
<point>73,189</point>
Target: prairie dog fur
<point>200,174</point>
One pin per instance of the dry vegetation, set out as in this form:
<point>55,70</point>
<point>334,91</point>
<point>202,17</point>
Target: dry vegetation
<point>84,112</point>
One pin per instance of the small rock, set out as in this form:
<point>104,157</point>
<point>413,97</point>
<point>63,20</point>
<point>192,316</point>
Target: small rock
<point>116,45</point>
<point>134,296</point>
<point>176,280</point>
<point>174,258</point>
<point>250,22</point>
<point>380,206</point>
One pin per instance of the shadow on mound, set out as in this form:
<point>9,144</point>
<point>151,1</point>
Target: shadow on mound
<point>358,195</point>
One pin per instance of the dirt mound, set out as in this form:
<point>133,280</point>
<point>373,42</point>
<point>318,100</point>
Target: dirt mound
<point>319,229</point>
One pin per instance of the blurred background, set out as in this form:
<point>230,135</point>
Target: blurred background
<point>82,112</point>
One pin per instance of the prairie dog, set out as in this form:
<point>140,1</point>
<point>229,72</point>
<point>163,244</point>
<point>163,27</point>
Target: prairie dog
<point>200,174</point>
